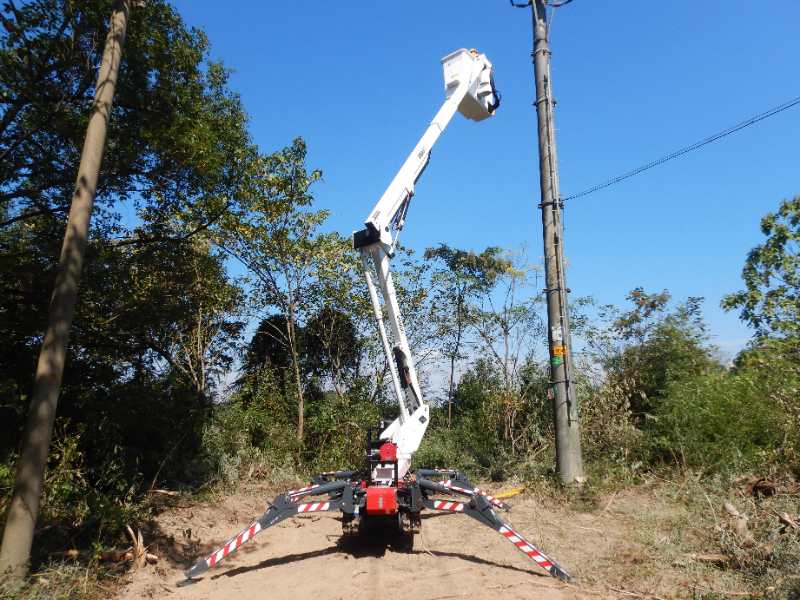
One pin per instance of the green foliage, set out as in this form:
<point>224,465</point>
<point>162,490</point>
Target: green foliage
<point>83,503</point>
<point>249,439</point>
<point>252,434</point>
<point>177,135</point>
<point>155,327</point>
<point>274,234</point>
<point>459,278</point>
<point>337,425</point>
<point>650,346</point>
<point>443,447</point>
<point>719,422</point>
<point>610,438</point>
<point>496,431</point>
<point>61,580</point>
<point>507,318</point>
<point>777,361</point>
<point>328,344</point>
<point>771,301</point>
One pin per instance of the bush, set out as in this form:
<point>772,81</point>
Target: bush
<point>499,428</point>
<point>254,432</point>
<point>608,434</point>
<point>336,427</point>
<point>442,447</point>
<point>719,422</point>
<point>81,506</point>
<point>244,439</point>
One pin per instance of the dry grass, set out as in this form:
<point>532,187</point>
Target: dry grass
<point>64,581</point>
<point>676,538</point>
<point>658,539</point>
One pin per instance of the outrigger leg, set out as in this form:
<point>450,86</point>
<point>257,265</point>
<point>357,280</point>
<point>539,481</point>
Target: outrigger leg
<point>481,508</point>
<point>283,507</point>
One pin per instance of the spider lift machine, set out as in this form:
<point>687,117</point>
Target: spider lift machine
<point>385,489</point>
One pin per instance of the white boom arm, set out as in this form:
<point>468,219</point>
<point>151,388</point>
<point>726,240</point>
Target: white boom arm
<point>469,89</point>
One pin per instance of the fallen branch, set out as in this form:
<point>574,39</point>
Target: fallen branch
<point>138,552</point>
<point>170,493</point>
<point>789,521</point>
<point>739,523</point>
<point>720,560</point>
<point>608,504</point>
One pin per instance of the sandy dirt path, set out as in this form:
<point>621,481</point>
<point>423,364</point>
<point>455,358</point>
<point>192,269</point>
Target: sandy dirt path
<point>454,557</point>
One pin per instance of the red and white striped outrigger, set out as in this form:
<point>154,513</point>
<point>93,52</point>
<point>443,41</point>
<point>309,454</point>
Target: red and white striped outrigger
<point>360,503</point>
<point>471,492</point>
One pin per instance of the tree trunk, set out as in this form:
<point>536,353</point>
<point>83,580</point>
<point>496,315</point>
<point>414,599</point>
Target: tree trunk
<point>300,398</point>
<point>454,355</point>
<point>450,391</point>
<point>24,508</point>
<point>291,334</point>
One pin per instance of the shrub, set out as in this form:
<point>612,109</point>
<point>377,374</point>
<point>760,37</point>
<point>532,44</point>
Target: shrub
<point>336,427</point>
<point>719,422</point>
<point>608,434</point>
<point>244,439</point>
<point>81,506</point>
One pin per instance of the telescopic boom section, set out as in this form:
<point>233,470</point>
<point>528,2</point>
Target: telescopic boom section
<point>469,89</point>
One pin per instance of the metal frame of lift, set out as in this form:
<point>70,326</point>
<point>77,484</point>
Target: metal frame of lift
<point>385,490</point>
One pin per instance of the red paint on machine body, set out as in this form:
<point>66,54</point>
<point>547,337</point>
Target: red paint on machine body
<point>388,452</point>
<point>381,500</point>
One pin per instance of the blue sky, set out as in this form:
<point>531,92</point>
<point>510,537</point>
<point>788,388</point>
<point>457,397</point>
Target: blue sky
<point>633,79</point>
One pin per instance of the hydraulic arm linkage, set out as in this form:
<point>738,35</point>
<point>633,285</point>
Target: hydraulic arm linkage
<point>469,89</point>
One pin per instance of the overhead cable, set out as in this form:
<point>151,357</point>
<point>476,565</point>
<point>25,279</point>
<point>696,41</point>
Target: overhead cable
<point>686,149</point>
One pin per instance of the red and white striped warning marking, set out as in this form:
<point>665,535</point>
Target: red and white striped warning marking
<point>313,507</point>
<point>492,499</point>
<point>302,490</point>
<point>233,544</point>
<point>452,506</point>
<point>529,549</point>
<point>449,484</point>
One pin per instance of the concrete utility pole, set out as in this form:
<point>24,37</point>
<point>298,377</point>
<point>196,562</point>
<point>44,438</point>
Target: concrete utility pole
<point>565,405</point>
<point>24,507</point>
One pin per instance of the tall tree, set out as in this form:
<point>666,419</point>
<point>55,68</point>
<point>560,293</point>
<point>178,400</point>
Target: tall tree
<point>24,508</point>
<point>340,322</point>
<point>332,347</point>
<point>195,330</point>
<point>274,235</point>
<point>506,318</point>
<point>179,156</point>
<point>460,279</point>
<point>509,327</point>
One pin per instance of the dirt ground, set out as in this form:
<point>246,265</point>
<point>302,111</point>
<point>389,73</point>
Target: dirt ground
<point>626,545</point>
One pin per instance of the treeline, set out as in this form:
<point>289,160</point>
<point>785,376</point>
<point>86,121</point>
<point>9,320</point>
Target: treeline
<point>220,334</point>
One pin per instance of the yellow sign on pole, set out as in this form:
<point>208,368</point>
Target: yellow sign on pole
<point>559,350</point>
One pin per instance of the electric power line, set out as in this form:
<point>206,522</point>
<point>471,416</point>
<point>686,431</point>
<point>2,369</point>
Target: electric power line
<point>686,149</point>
